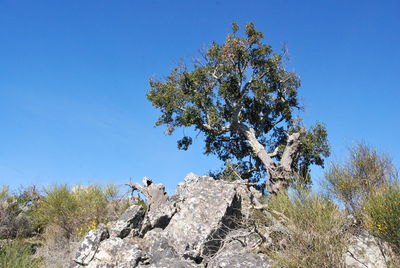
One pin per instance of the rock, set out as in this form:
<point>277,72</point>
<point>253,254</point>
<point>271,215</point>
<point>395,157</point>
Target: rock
<point>236,251</point>
<point>162,254</point>
<point>129,221</point>
<point>160,208</point>
<point>160,250</point>
<point>153,235</point>
<point>90,244</point>
<point>170,263</point>
<point>116,252</point>
<point>365,252</point>
<point>241,240</point>
<point>158,216</point>
<point>206,210</point>
<point>240,260</point>
<point>249,196</point>
<point>205,223</point>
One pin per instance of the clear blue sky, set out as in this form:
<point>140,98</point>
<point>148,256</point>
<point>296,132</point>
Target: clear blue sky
<point>74,74</point>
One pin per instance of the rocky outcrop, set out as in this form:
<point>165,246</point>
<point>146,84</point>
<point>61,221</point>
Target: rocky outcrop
<point>365,251</point>
<point>129,222</point>
<point>240,260</point>
<point>192,228</point>
<point>206,211</point>
<point>116,252</point>
<point>90,245</point>
<point>160,207</point>
<point>205,223</point>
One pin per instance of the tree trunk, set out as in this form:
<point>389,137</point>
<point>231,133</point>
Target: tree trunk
<point>279,173</point>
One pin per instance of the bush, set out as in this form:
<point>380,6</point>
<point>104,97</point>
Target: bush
<point>352,182</point>
<point>18,255</point>
<point>13,219</point>
<point>74,211</point>
<point>383,214</point>
<point>316,227</point>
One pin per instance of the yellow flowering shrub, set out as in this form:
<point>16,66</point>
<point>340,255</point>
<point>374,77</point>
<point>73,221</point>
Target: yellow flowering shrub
<point>75,211</point>
<point>353,181</point>
<point>91,225</point>
<point>382,211</point>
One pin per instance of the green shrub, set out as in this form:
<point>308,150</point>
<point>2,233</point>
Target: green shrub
<point>91,202</point>
<point>13,207</point>
<point>352,182</point>
<point>75,211</point>
<point>316,228</point>
<point>383,214</point>
<point>111,191</point>
<point>18,255</point>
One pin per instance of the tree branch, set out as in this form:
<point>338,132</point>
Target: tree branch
<point>292,146</point>
<point>274,153</point>
<point>277,122</point>
<point>257,148</point>
<point>216,130</point>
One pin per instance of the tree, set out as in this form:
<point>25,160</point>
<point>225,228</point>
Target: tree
<point>242,99</point>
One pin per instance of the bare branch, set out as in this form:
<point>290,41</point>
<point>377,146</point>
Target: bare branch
<point>214,74</point>
<point>292,146</point>
<point>274,153</point>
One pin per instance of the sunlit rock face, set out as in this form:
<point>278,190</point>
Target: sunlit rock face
<point>204,223</point>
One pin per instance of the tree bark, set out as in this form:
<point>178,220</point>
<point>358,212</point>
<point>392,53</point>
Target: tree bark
<point>279,173</point>
<point>155,193</point>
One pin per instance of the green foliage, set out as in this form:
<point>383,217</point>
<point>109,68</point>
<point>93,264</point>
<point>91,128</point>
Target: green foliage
<point>13,217</point>
<point>18,254</point>
<point>4,193</point>
<point>110,191</point>
<point>314,147</point>
<point>317,236</point>
<point>239,83</point>
<point>352,182</point>
<point>74,211</point>
<point>382,211</point>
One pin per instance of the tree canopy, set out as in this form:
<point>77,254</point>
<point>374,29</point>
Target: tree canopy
<point>242,99</point>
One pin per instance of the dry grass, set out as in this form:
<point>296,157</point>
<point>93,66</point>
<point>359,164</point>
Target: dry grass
<point>317,236</point>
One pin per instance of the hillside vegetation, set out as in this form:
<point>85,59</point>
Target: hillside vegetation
<point>360,196</point>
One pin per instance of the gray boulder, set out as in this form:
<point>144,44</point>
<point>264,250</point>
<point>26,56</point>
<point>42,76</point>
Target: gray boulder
<point>162,254</point>
<point>90,245</point>
<point>171,263</point>
<point>202,224</point>
<point>154,235</point>
<point>366,251</point>
<point>116,252</point>
<point>236,251</point>
<point>206,211</point>
<point>160,250</point>
<point>240,260</point>
<point>160,207</point>
<point>158,216</point>
<point>129,221</point>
